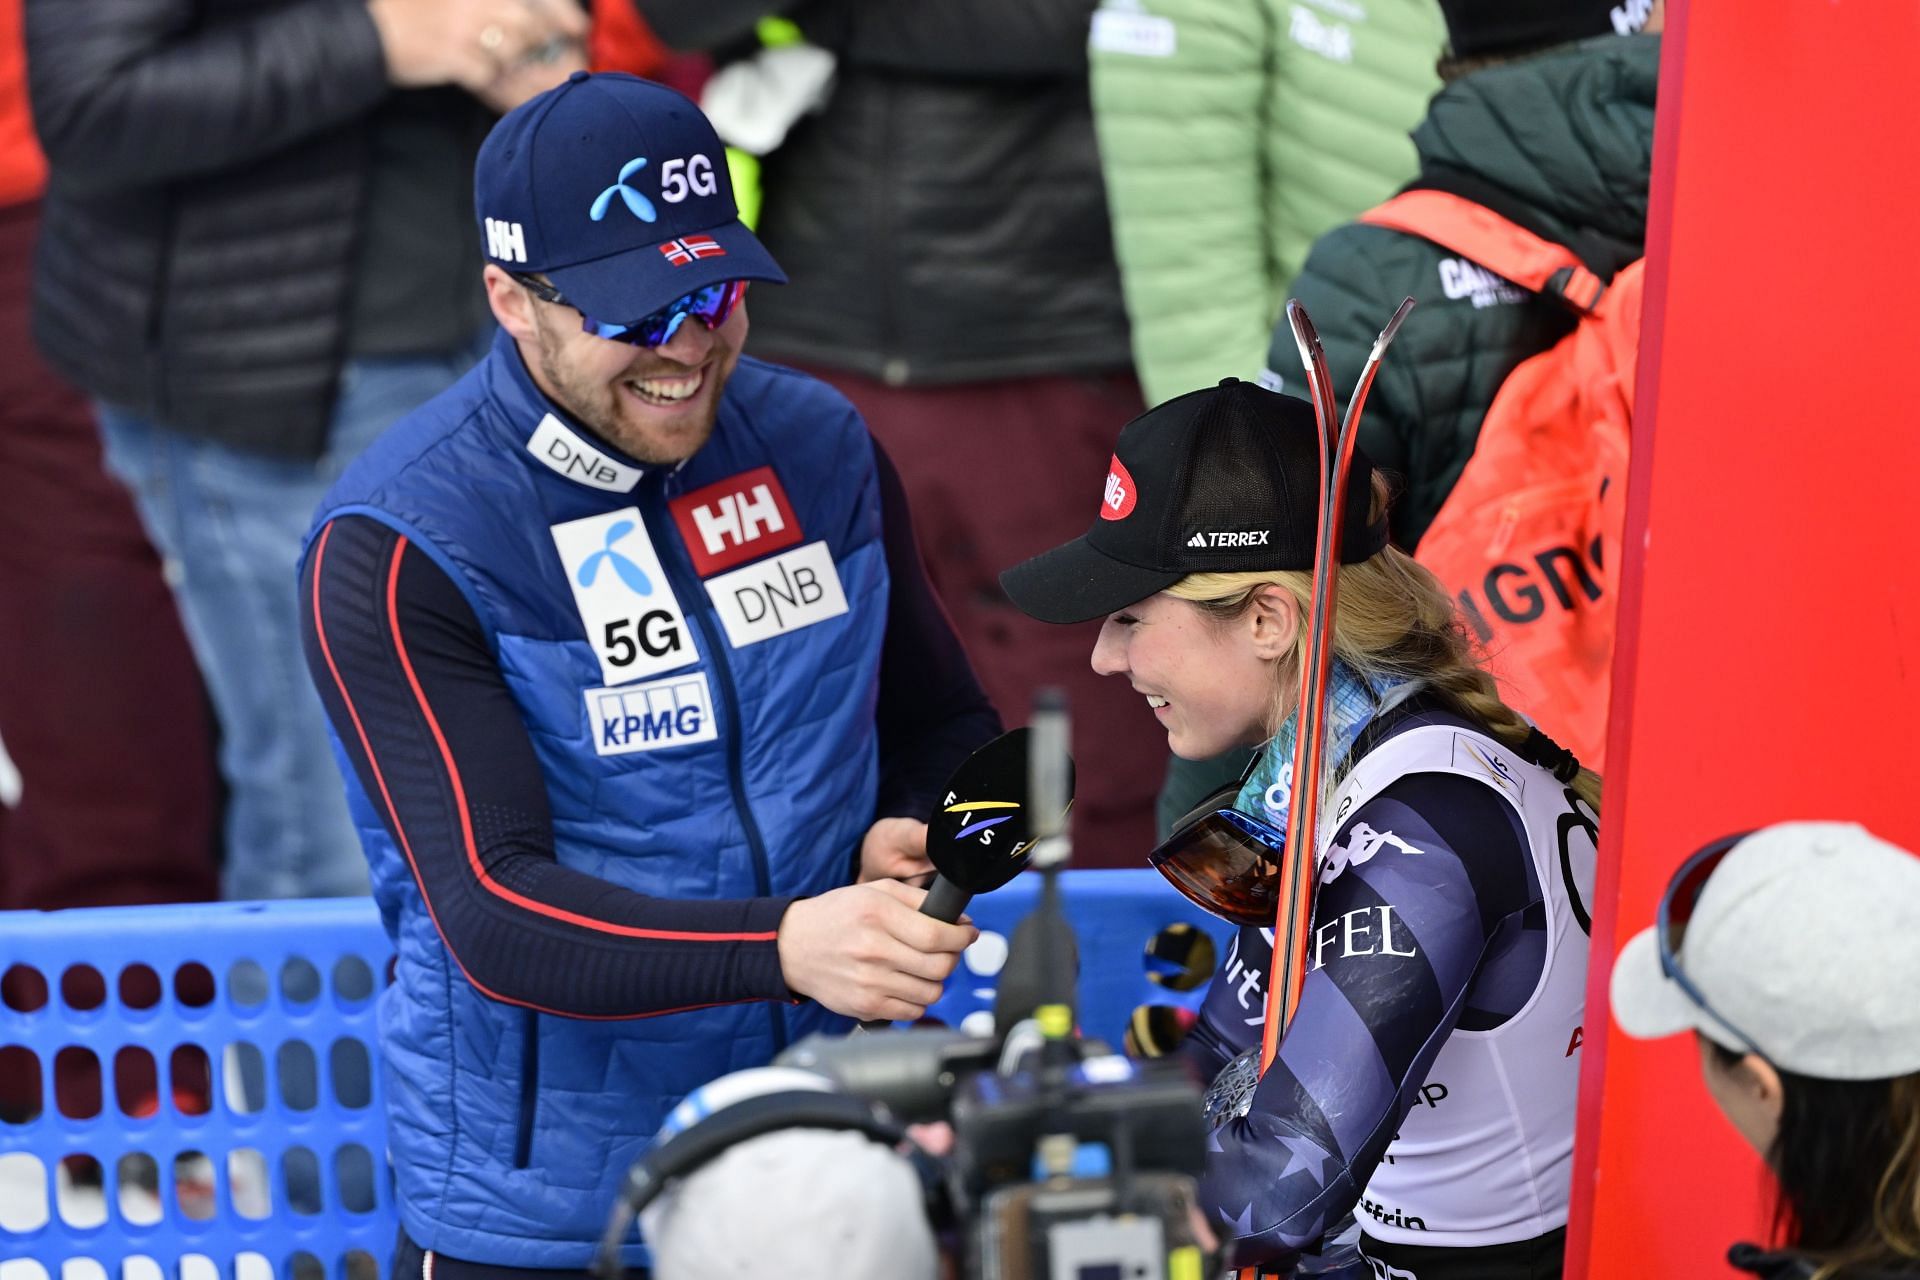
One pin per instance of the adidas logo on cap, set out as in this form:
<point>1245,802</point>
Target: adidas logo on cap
<point>1215,541</point>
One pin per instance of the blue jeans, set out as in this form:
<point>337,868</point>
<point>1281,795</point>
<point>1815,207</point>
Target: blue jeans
<point>228,524</point>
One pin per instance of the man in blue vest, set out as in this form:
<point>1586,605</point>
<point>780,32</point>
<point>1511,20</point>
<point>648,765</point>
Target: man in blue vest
<point>638,688</point>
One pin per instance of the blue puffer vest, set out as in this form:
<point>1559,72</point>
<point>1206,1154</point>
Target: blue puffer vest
<point>703,713</point>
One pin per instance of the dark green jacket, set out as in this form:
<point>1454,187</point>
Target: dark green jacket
<point>1564,142</point>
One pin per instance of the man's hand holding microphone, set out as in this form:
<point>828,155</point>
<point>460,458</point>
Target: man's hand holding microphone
<point>881,950</point>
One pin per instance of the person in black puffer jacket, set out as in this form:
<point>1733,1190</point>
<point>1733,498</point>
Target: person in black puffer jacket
<point>942,220</point>
<point>255,254</point>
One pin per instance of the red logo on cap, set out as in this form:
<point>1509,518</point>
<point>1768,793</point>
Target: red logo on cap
<point>1117,502</point>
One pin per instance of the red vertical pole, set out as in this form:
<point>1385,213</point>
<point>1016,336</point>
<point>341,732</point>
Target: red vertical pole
<point>1769,650</point>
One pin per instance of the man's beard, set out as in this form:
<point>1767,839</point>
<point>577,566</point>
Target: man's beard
<point>596,405</point>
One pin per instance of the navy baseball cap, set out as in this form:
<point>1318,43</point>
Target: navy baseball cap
<point>615,188</point>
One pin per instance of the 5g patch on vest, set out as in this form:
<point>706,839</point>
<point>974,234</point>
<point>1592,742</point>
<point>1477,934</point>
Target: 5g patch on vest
<point>632,620</point>
<point>673,712</point>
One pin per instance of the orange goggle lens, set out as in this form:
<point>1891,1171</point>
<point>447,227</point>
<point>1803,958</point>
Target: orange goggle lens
<point>1225,863</point>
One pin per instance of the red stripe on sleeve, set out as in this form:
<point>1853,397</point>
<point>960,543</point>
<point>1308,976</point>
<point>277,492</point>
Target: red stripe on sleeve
<point>466,822</point>
<point>393,814</point>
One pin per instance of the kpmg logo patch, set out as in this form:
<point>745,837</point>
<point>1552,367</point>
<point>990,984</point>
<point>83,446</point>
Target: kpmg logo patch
<point>739,519</point>
<point>1117,501</point>
<point>637,204</point>
<point>673,712</point>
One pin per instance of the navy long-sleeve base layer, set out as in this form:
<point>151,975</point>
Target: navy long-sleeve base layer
<point>440,748</point>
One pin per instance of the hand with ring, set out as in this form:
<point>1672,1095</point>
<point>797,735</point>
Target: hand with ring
<point>475,44</point>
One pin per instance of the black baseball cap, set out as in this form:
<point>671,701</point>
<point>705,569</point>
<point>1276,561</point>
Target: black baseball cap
<point>1482,28</point>
<point>617,189</point>
<point>1223,480</point>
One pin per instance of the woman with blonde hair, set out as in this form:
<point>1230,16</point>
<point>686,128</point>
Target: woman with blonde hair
<point>1793,955</point>
<point>1426,1082</point>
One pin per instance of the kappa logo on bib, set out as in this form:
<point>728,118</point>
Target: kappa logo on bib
<point>742,518</point>
<point>632,619</point>
<point>672,712</point>
<point>772,597</point>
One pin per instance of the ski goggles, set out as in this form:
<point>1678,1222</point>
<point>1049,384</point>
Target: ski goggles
<point>710,305</point>
<point>1224,862</point>
<point>1670,929</point>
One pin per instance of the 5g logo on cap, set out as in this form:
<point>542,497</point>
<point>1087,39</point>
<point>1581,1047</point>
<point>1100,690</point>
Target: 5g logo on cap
<point>691,176</point>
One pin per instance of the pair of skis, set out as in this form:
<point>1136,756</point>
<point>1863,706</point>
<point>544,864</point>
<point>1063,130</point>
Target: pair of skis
<point>1298,865</point>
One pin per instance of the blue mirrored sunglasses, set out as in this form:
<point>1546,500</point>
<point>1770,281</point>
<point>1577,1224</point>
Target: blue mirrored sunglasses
<point>1676,909</point>
<point>710,304</point>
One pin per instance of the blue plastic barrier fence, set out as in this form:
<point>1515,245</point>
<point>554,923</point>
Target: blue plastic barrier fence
<point>193,1093</point>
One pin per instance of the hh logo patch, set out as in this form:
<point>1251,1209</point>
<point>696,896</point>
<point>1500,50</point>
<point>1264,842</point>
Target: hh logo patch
<point>646,717</point>
<point>627,606</point>
<point>560,448</point>
<point>742,518</point>
<point>773,597</point>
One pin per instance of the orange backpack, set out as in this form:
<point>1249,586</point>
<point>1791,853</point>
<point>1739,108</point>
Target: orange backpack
<point>1529,538</point>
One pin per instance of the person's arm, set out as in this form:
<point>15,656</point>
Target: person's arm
<point>1234,1010</point>
<point>1186,188</point>
<point>130,93</point>
<point>1431,874</point>
<point>440,749</point>
<point>436,740</point>
<point>932,711</point>
<point>138,92</point>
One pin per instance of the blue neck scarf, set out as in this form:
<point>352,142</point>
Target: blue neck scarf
<point>1352,704</point>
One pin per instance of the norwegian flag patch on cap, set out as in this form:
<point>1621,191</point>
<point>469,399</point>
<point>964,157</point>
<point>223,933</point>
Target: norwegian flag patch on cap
<point>688,248</point>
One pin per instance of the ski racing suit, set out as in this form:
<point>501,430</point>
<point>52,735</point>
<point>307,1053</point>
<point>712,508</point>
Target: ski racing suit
<point>1427,1081</point>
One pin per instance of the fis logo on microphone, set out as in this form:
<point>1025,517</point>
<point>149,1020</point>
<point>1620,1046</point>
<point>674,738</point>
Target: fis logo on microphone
<point>991,813</point>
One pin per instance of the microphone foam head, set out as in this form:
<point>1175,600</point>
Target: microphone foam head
<point>981,830</point>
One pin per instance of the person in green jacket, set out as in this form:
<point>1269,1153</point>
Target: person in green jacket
<point>1232,132</point>
<point>1546,115</point>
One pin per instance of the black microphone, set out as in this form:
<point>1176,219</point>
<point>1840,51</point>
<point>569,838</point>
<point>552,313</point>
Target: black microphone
<point>982,829</point>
